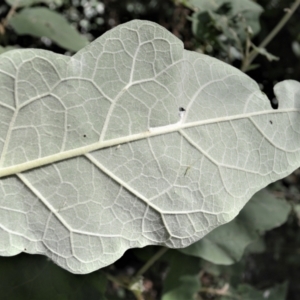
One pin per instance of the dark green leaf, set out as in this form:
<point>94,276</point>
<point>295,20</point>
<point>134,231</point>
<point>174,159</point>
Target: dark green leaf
<point>28,277</point>
<point>42,22</point>
<point>182,281</point>
<point>247,292</point>
<point>226,244</point>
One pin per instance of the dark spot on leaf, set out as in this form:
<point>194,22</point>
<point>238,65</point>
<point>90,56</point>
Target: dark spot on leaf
<point>271,122</point>
<point>84,135</point>
<point>181,109</point>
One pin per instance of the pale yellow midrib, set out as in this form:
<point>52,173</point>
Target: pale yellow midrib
<point>122,140</point>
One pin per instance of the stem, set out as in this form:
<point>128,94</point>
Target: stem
<point>138,295</point>
<point>144,268</point>
<point>116,280</point>
<point>151,261</point>
<point>289,12</point>
<point>9,14</point>
<point>5,21</point>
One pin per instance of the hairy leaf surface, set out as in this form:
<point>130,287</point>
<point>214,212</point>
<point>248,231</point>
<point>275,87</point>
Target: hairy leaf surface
<point>132,141</point>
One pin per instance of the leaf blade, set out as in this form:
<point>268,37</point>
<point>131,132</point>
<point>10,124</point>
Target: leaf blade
<point>225,245</point>
<point>40,22</point>
<point>122,167</point>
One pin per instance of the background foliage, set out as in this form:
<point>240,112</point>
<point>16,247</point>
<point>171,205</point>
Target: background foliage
<point>252,257</point>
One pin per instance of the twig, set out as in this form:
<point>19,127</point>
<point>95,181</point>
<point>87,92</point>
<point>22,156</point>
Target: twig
<point>289,12</point>
<point>5,21</point>
<point>144,268</point>
<point>128,285</point>
<point>116,280</point>
<point>151,261</point>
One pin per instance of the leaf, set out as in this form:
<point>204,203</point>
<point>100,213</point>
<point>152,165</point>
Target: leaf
<point>132,141</point>
<point>226,244</point>
<point>28,277</point>
<point>40,21</point>
<point>23,3</point>
<point>264,52</point>
<point>8,48</point>
<point>256,247</point>
<point>278,292</point>
<point>232,18</point>
<point>231,7</point>
<point>247,292</point>
<point>182,281</point>
<point>296,48</point>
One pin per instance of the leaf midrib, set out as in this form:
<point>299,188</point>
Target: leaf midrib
<point>151,132</point>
